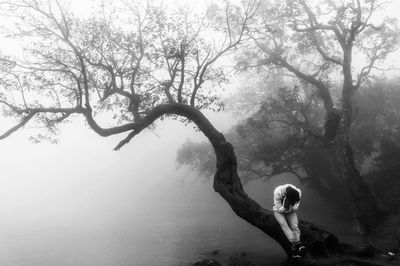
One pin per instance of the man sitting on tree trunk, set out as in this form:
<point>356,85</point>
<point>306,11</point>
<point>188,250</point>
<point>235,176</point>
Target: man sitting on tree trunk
<point>286,202</point>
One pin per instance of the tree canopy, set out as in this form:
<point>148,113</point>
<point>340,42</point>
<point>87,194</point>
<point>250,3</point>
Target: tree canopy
<point>116,69</point>
<point>286,136</point>
<point>319,46</point>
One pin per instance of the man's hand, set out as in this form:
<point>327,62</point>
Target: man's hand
<point>286,204</point>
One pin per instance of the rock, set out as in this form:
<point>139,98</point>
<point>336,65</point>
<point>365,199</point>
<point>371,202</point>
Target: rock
<point>207,262</point>
<point>367,251</point>
<point>398,238</point>
<point>215,252</point>
<point>239,261</point>
<point>301,262</point>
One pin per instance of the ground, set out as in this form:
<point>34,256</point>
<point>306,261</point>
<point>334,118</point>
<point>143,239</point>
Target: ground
<point>383,250</point>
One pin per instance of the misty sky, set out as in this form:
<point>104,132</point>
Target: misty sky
<point>56,200</point>
<point>42,179</point>
<point>79,198</point>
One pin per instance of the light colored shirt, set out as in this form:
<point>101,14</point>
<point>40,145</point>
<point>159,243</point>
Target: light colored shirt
<point>280,196</point>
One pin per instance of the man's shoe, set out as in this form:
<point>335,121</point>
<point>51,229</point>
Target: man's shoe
<point>295,251</point>
<point>302,250</point>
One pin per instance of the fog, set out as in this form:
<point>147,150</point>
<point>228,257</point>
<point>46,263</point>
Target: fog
<point>79,202</point>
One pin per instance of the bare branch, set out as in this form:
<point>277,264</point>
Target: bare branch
<point>16,127</point>
<point>324,55</point>
<point>249,13</point>
<point>322,88</point>
<point>182,81</point>
<point>315,25</point>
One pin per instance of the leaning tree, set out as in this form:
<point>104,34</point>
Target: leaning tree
<point>331,46</point>
<point>148,64</point>
<point>284,136</point>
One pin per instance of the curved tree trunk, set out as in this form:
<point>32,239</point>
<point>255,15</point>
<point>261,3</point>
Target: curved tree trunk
<point>227,183</point>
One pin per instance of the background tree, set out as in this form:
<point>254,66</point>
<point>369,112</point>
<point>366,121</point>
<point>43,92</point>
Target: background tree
<point>285,135</point>
<point>316,43</point>
<point>149,64</point>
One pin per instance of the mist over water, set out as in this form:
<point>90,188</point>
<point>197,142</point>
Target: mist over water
<point>81,203</point>
<point>166,229</point>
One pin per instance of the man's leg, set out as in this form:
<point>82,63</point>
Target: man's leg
<point>293,223</point>
<point>281,219</point>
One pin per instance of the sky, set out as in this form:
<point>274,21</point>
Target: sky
<point>81,180</point>
<point>79,202</point>
<point>33,174</point>
<point>40,179</point>
<point>65,201</point>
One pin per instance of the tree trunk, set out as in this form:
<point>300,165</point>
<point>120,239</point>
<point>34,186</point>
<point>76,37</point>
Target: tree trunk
<point>323,177</point>
<point>368,210</point>
<point>227,183</point>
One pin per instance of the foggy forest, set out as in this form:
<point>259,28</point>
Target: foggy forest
<point>218,132</point>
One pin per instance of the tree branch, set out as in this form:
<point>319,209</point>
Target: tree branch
<point>322,88</point>
<point>315,25</point>
<point>166,109</point>
<point>250,11</point>
<point>31,112</point>
<point>324,55</point>
<point>16,127</point>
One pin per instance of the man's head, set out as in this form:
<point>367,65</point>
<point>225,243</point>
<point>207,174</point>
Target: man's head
<point>292,195</point>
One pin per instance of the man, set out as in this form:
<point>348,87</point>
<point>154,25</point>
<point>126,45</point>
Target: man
<point>286,203</point>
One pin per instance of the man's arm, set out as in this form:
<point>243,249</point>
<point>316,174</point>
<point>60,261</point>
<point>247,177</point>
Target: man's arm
<point>279,201</point>
<point>296,206</point>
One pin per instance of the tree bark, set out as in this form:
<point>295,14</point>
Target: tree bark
<point>323,177</point>
<point>368,209</point>
<point>228,184</point>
